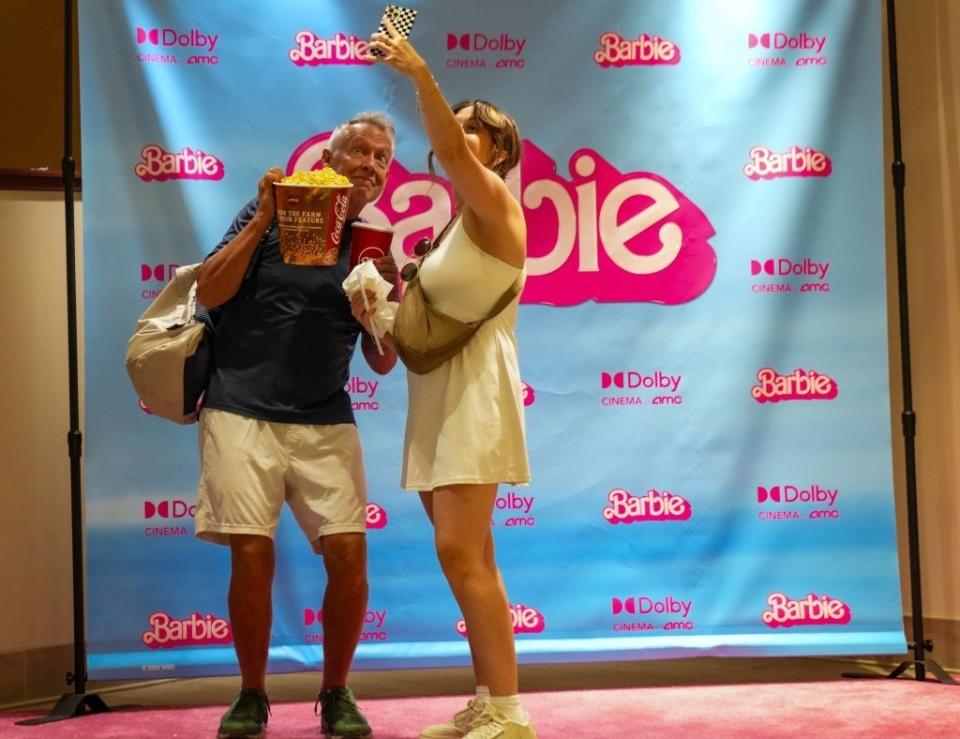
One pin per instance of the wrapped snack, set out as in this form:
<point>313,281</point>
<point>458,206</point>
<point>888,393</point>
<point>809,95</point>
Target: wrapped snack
<point>365,277</point>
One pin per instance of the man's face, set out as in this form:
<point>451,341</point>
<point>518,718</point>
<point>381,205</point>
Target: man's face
<point>363,155</point>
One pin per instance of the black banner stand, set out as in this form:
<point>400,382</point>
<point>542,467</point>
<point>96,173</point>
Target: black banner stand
<point>920,645</point>
<point>79,702</point>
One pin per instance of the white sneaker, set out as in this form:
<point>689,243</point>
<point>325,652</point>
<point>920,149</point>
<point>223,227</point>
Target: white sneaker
<point>458,725</point>
<point>491,724</point>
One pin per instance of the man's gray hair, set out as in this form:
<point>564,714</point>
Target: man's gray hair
<point>374,118</point>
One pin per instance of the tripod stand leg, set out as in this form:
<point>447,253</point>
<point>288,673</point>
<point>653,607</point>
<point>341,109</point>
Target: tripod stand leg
<point>70,705</point>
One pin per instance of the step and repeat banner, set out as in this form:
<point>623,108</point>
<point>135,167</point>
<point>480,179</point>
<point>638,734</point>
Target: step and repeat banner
<point>703,331</point>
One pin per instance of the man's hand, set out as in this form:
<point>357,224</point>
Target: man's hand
<point>362,313</point>
<point>387,267</point>
<point>266,204</point>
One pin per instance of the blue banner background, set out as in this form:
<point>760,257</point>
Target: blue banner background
<point>692,124</point>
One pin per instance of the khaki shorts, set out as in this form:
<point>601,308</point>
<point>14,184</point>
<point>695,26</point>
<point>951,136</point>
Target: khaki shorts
<point>250,467</point>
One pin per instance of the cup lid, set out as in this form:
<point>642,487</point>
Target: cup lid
<point>372,226</point>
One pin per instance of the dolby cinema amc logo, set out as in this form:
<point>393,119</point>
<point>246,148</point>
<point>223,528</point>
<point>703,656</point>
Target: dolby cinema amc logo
<point>782,275</point>
<point>647,613</point>
<point>791,502</point>
<point>479,50</point>
<point>637,388</point>
<point>168,517</point>
<point>154,276</point>
<point>374,625</point>
<point>783,49</point>
<point>176,46</point>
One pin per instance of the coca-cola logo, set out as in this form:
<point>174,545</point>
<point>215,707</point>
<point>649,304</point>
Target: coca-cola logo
<point>772,387</point>
<point>160,165</point>
<point>524,619</point>
<point>167,632</point>
<point>340,209</point>
<point>645,50</point>
<point>811,610</point>
<point>654,505</point>
<point>603,235</point>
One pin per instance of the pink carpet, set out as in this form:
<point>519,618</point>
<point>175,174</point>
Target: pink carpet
<point>848,709</point>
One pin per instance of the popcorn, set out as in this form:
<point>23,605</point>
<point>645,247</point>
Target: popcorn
<point>325,177</point>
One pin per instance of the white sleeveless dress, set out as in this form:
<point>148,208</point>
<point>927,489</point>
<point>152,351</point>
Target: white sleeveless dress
<point>465,419</point>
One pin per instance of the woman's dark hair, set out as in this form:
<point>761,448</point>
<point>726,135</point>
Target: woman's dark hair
<point>501,127</point>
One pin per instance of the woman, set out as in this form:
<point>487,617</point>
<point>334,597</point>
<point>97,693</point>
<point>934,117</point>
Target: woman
<point>465,431</point>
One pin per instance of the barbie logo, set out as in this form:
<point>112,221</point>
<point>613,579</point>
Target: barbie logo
<point>376,516</point>
<point>529,394</point>
<point>812,610</point>
<point>609,236</point>
<point>652,506</point>
<point>603,235</point>
<point>525,620</point>
<point>772,387</point>
<point>188,164</point>
<point>767,164</point>
<point>312,50</point>
<point>617,51</point>
<point>167,632</point>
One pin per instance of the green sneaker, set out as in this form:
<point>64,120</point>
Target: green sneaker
<point>246,716</point>
<point>339,716</point>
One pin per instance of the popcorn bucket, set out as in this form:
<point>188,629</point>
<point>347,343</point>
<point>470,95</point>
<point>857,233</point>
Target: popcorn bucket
<point>311,220</point>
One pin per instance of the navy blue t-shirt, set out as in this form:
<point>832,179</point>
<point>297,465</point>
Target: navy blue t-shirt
<point>283,343</point>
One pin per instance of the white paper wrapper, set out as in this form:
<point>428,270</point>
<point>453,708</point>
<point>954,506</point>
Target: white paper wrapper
<point>365,277</point>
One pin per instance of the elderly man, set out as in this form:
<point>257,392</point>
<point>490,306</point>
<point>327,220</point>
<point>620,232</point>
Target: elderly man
<point>277,425</point>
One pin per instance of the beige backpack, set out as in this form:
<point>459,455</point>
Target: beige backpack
<point>169,354</point>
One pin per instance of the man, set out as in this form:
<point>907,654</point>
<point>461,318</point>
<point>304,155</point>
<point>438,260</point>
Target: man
<point>277,426</point>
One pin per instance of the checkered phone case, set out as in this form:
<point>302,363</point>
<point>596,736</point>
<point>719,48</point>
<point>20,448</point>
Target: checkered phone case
<point>402,18</point>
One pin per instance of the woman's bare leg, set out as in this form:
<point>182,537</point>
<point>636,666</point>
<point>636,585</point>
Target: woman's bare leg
<point>461,520</point>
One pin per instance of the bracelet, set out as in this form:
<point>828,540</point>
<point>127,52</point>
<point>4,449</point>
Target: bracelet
<point>434,91</point>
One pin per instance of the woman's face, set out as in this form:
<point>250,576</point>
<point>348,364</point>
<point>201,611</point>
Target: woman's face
<point>478,138</point>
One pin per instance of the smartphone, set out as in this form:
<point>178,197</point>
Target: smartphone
<point>402,19</point>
